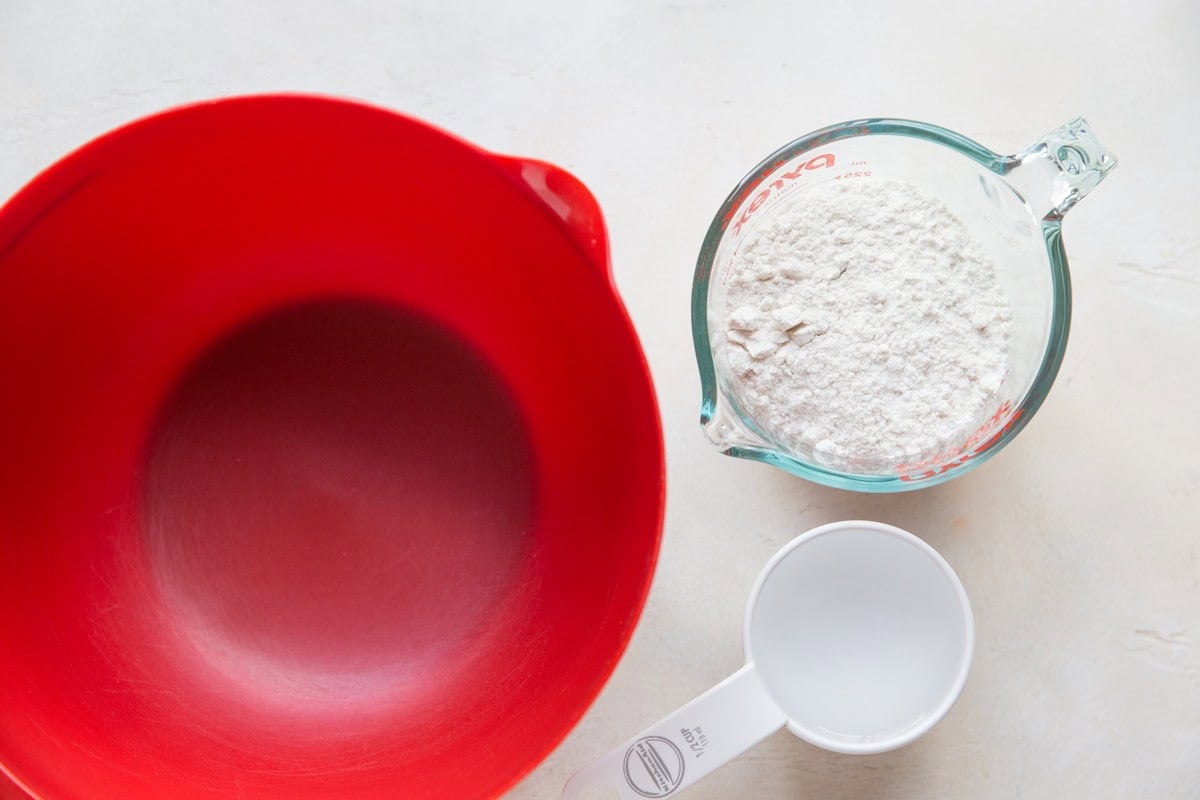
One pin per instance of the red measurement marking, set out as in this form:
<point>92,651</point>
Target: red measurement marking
<point>944,462</point>
<point>816,162</point>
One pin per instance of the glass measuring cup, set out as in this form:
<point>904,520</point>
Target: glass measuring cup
<point>1012,206</point>
<point>858,637</point>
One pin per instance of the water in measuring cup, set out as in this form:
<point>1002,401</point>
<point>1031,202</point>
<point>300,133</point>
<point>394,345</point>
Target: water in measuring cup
<point>858,639</point>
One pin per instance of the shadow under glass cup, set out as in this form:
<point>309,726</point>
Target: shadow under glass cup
<point>1012,206</point>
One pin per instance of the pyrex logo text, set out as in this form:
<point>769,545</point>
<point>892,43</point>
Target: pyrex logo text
<point>816,162</point>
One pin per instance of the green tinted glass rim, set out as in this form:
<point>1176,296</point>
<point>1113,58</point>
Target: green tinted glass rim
<point>1051,361</point>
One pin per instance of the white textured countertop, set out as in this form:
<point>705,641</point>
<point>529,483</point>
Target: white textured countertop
<point>1079,545</point>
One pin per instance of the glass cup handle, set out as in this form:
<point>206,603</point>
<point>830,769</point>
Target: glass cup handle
<point>566,199</point>
<point>682,748</point>
<point>1055,172</point>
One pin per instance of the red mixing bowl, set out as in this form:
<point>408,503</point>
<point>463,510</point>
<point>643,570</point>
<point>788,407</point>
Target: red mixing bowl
<point>332,466</point>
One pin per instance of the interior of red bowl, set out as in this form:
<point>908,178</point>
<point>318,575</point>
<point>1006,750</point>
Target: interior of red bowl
<point>332,466</point>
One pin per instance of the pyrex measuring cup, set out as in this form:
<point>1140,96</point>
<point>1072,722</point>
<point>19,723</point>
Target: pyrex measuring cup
<point>1012,205</point>
<point>858,639</point>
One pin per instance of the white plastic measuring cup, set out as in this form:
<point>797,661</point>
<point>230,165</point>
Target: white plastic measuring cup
<point>858,638</point>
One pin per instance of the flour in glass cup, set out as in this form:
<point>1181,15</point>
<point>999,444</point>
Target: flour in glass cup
<point>864,325</point>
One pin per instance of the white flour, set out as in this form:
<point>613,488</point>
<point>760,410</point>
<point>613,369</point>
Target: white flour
<point>863,322</point>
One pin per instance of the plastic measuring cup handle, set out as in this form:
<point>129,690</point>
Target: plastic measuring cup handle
<point>679,750</point>
<point>567,198</point>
